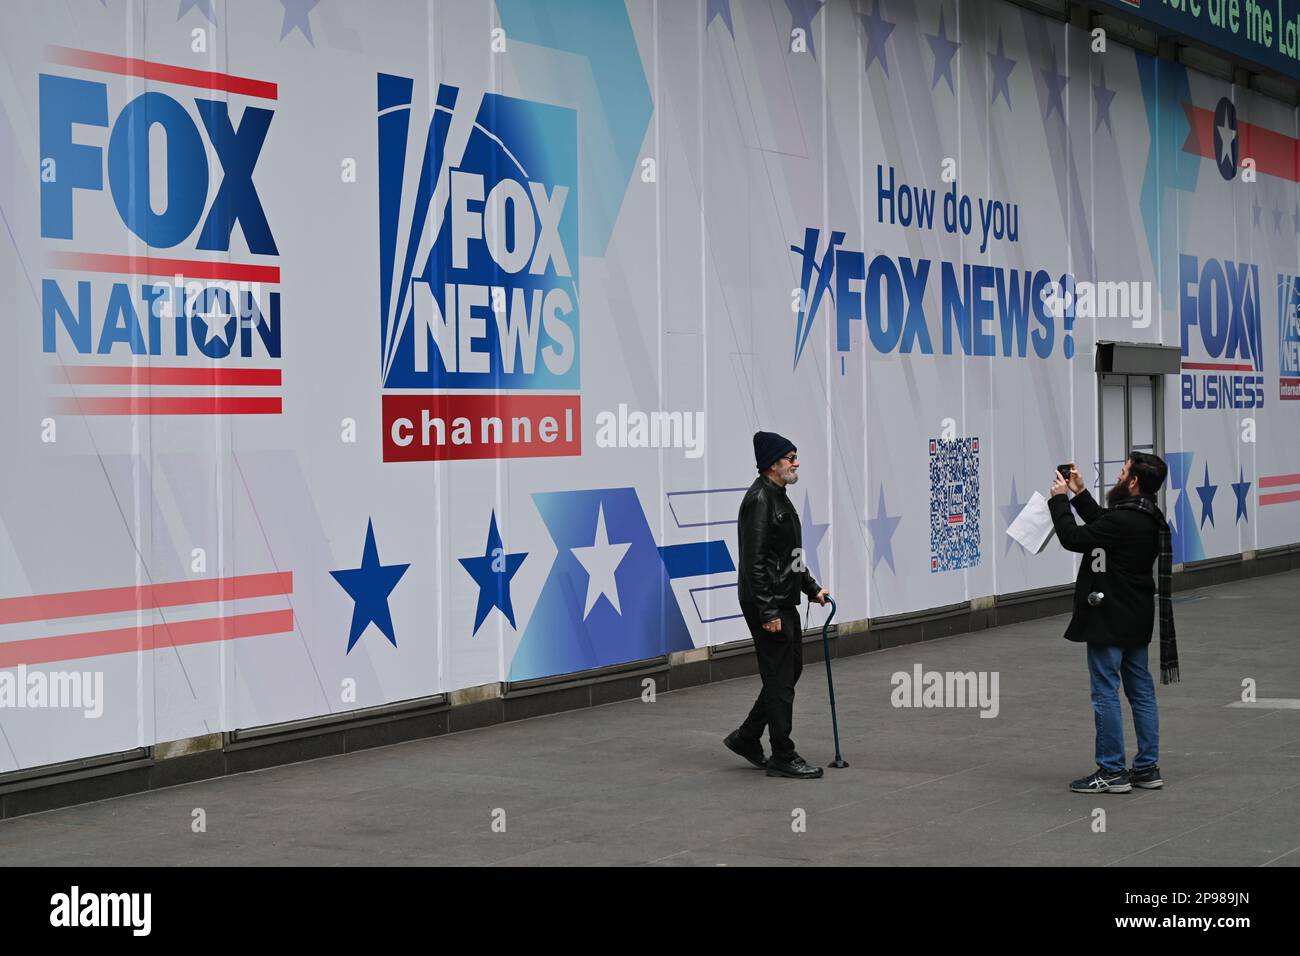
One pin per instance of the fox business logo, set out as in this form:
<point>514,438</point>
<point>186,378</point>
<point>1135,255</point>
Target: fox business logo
<point>478,265</point>
<point>108,180</point>
<point>1288,337</point>
<point>1220,315</point>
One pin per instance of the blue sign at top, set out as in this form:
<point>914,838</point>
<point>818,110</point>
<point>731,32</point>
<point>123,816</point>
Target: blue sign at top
<point>1265,33</point>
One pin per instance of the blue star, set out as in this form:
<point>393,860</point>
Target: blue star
<point>1002,67</point>
<point>720,8</point>
<point>801,18</point>
<point>369,586</point>
<point>1103,96</point>
<point>1055,83</point>
<point>1241,488</point>
<point>492,572</point>
<point>943,50</point>
<point>812,538</point>
<point>1256,209</point>
<point>1206,491</point>
<point>1009,512</point>
<point>295,18</point>
<point>878,31</point>
<point>882,528</point>
<point>1277,219</point>
<point>204,7</point>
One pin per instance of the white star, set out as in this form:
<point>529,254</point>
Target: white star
<point>600,561</point>
<point>215,319</point>
<point>1226,135</point>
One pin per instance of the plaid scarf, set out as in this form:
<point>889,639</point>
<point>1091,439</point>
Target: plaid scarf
<point>1165,578</point>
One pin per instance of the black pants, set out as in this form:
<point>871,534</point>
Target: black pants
<point>780,662</point>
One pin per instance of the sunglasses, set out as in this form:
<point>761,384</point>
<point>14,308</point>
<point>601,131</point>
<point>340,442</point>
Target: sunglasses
<point>791,458</point>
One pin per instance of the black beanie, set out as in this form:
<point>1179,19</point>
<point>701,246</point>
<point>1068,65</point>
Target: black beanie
<point>768,447</point>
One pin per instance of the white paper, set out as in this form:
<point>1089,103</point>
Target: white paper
<point>1033,526</point>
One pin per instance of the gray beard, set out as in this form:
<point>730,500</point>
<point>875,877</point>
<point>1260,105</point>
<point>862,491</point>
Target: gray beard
<point>792,479</point>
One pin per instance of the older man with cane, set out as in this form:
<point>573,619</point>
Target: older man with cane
<point>773,577</point>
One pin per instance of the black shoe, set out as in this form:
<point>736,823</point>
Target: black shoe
<point>1103,781</point>
<point>1148,778</point>
<point>795,767</point>
<point>751,750</point>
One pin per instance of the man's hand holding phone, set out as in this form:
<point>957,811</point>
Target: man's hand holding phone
<point>1067,476</point>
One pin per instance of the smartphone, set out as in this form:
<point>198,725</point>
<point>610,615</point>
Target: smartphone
<point>1065,471</point>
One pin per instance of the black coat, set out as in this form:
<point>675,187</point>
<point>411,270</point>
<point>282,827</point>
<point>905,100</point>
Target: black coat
<point>1129,542</point>
<point>769,533</point>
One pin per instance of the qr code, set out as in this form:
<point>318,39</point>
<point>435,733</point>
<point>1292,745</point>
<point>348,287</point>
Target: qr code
<point>954,503</point>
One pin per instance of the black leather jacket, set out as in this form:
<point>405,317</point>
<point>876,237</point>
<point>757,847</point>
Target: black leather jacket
<point>773,569</point>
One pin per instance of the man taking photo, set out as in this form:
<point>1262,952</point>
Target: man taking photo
<point>772,577</point>
<point>1114,612</point>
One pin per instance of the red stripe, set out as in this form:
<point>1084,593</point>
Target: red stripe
<point>1219,366</point>
<point>123,640</point>
<point>161,375</point>
<point>1275,154</point>
<point>162,72</point>
<point>1200,133</point>
<point>1272,481</point>
<point>48,607</point>
<point>1279,498</point>
<point>197,405</point>
<point>153,266</point>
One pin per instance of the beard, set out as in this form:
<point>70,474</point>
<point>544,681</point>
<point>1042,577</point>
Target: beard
<point>1118,493</point>
<point>786,473</point>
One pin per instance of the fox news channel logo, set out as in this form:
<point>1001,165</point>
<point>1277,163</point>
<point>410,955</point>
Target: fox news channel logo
<point>108,182</point>
<point>1288,337</point>
<point>478,263</point>
<point>1220,315</point>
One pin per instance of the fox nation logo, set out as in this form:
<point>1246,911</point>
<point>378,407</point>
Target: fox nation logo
<point>478,268</point>
<point>173,168</point>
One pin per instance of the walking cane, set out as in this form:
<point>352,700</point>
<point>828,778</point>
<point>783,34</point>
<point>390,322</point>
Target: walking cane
<point>839,761</point>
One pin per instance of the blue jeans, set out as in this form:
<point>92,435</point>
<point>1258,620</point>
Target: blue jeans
<point>1108,666</point>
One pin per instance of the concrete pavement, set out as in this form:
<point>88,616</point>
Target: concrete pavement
<point>650,783</point>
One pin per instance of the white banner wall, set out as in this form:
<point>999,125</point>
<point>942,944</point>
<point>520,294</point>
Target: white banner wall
<point>362,352</point>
